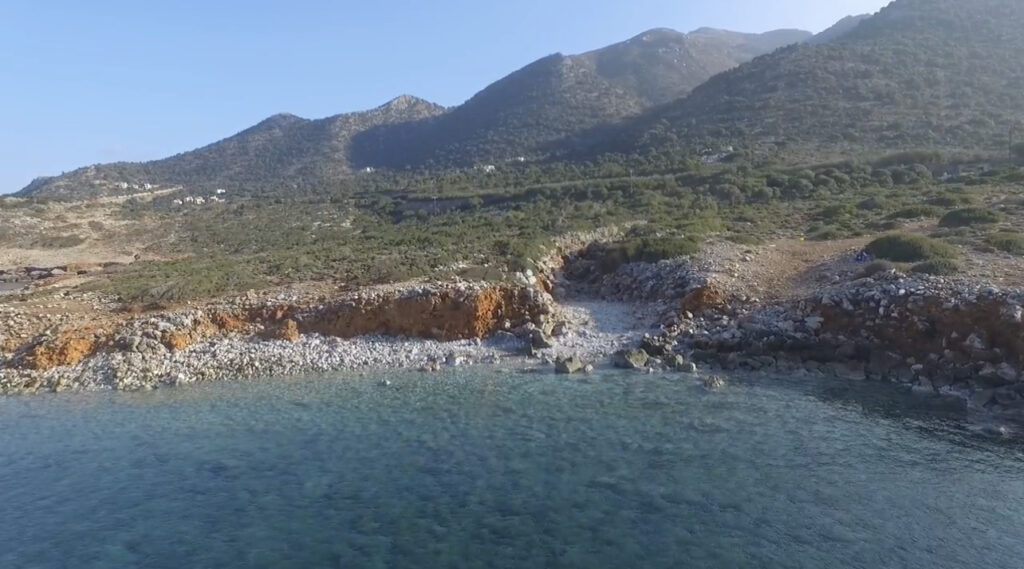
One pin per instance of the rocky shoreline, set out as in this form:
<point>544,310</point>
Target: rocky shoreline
<point>941,337</point>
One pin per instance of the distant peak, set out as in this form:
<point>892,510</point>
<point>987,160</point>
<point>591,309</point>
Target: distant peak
<point>406,101</point>
<point>279,120</point>
<point>655,34</point>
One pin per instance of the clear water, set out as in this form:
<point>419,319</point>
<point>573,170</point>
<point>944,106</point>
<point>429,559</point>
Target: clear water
<point>497,469</point>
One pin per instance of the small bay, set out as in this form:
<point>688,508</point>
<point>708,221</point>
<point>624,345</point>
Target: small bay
<point>496,468</point>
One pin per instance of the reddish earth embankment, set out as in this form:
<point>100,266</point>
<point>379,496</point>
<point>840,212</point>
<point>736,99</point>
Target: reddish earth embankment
<point>440,312</point>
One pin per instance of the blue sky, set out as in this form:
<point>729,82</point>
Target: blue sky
<point>92,82</point>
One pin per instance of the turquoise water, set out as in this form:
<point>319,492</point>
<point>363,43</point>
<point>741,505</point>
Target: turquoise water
<point>493,469</point>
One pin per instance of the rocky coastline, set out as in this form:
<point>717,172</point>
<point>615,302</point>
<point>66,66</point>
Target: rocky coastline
<point>953,338</point>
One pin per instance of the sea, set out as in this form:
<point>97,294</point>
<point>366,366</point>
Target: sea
<point>504,468</point>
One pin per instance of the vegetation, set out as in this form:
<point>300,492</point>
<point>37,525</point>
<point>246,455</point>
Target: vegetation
<point>969,217</point>
<point>937,267</point>
<point>1007,242</point>
<point>907,248</point>
<point>919,211</point>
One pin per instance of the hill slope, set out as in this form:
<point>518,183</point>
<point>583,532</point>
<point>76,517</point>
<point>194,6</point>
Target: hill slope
<point>562,95</point>
<point>283,149</point>
<point>920,73</point>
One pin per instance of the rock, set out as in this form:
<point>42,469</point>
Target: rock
<point>713,383</point>
<point>983,397</point>
<point>630,359</point>
<point>656,346</point>
<point>674,361</point>
<point>882,363</point>
<point>814,323</point>
<point>703,299</point>
<point>539,340</point>
<point>1007,373</point>
<point>992,377</point>
<point>569,365</point>
<point>560,330</point>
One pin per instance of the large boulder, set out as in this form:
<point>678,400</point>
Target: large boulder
<point>570,365</point>
<point>630,359</point>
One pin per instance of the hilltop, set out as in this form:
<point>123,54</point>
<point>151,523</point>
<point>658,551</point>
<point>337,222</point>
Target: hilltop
<point>919,74</point>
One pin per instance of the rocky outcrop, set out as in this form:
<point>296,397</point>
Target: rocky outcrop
<point>49,351</point>
<point>939,335</point>
<point>440,313</point>
<point>593,272</point>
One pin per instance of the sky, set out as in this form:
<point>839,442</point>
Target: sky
<point>112,80</point>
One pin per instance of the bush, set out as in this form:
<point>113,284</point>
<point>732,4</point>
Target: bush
<point>970,216</point>
<point>937,267</point>
<point>907,248</point>
<point>1007,242</point>
<point>57,241</point>
<point>871,204</point>
<point>834,212</point>
<point>916,212</point>
<point>827,234</point>
<point>646,250</point>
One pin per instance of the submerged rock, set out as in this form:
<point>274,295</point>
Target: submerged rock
<point>713,383</point>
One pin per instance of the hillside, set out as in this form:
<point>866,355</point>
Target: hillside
<point>560,95</point>
<point>839,29</point>
<point>283,149</point>
<point>920,73</point>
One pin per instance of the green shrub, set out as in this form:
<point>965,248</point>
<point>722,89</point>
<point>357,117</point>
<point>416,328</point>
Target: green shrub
<point>1007,242</point>
<point>827,234</point>
<point>970,216</point>
<point>916,212</point>
<point>646,250</point>
<point>834,212</point>
<point>908,248</point>
<point>871,204</point>
<point>57,241</point>
<point>937,267</point>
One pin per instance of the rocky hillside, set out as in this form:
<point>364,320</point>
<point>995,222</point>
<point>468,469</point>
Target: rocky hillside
<point>283,149</point>
<point>920,73</point>
<point>560,95</point>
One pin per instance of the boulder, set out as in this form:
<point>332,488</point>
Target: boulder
<point>630,359</point>
<point>570,365</point>
<point>539,340</point>
<point>656,346</point>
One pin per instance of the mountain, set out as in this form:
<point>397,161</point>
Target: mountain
<point>283,149</point>
<point>919,74</point>
<point>839,29</point>
<point>661,65</point>
<point>560,95</point>
<point>550,99</point>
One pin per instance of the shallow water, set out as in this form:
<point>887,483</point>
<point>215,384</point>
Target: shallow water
<point>483,468</point>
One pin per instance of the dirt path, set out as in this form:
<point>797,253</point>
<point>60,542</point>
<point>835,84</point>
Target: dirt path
<point>784,269</point>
